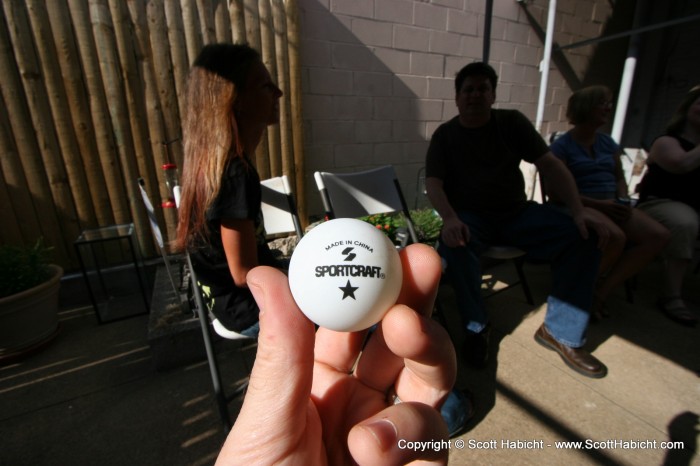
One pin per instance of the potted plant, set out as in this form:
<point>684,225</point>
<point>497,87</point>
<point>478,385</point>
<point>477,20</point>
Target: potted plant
<point>29,287</point>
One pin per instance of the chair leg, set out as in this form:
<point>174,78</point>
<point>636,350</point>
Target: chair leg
<point>221,400</point>
<point>519,262</point>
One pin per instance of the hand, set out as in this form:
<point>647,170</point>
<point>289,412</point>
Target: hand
<point>618,213</point>
<point>454,232</point>
<point>589,218</point>
<point>311,401</point>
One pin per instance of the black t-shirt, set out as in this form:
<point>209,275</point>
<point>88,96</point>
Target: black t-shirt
<point>239,198</point>
<point>480,167</point>
<point>661,184</point>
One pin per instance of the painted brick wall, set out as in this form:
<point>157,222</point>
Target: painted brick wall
<point>378,74</point>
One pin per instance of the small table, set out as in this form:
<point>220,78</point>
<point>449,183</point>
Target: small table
<point>110,279</point>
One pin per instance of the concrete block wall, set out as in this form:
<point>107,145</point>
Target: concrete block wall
<point>377,75</point>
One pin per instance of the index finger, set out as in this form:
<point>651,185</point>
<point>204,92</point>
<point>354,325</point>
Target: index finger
<point>414,336</point>
<point>422,269</point>
<point>421,274</point>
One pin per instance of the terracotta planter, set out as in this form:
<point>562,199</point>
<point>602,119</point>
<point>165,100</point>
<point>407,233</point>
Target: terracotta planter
<point>29,320</point>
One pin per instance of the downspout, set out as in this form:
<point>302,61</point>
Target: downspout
<point>487,31</point>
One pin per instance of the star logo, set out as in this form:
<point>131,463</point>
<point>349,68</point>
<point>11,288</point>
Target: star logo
<point>348,290</point>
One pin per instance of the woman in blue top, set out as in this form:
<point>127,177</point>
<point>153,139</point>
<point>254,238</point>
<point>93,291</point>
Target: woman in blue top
<point>594,160</point>
<point>231,99</point>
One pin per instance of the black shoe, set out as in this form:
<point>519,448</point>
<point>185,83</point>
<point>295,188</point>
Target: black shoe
<point>457,411</point>
<point>475,351</point>
<point>578,359</point>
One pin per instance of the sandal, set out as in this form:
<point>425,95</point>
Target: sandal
<point>680,314</point>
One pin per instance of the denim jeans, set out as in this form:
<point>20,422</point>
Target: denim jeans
<point>546,235</point>
<point>252,331</point>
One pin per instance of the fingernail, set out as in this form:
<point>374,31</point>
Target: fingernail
<point>384,431</point>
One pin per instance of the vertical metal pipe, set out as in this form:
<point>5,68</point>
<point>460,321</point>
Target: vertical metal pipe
<point>623,95</point>
<point>544,64</point>
<point>487,31</point>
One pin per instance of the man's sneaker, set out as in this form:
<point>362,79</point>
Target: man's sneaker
<point>457,410</point>
<point>475,350</point>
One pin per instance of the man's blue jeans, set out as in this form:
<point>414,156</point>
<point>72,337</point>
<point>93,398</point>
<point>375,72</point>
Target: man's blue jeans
<point>547,235</point>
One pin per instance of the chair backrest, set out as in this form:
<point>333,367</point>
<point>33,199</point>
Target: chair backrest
<point>278,207</point>
<point>359,194</point>
<point>157,234</point>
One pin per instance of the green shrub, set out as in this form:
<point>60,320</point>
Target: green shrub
<point>387,223</point>
<point>426,221</point>
<point>22,268</point>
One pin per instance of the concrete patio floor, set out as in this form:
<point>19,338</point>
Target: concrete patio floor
<point>93,397</point>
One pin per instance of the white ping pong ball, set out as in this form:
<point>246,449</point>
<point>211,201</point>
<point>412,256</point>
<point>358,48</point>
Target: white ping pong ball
<point>345,274</point>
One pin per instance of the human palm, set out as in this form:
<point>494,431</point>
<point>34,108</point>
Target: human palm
<point>327,397</point>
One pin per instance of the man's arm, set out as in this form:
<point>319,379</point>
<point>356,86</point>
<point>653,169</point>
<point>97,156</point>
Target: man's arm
<point>560,183</point>
<point>454,232</point>
<point>563,187</point>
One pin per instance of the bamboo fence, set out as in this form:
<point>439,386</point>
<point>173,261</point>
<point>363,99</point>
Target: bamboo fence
<point>92,97</point>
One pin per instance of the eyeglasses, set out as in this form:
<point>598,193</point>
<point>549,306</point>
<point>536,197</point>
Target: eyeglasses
<point>606,104</point>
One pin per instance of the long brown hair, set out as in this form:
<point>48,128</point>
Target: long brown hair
<point>210,133</point>
<point>677,123</point>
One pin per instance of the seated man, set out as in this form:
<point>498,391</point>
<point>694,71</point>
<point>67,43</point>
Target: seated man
<point>473,180</point>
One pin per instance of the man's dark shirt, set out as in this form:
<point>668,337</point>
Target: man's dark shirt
<point>480,167</point>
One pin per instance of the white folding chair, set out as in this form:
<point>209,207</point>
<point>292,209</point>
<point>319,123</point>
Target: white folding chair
<point>358,194</point>
<point>206,324</point>
<point>206,320</point>
<point>278,207</point>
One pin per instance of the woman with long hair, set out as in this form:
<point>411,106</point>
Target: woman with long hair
<point>670,192</point>
<point>593,158</point>
<point>230,100</point>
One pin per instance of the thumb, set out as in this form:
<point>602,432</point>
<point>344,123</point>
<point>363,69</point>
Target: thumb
<point>280,382</point>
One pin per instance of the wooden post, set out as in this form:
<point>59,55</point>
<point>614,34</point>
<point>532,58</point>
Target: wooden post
<point>36,139</point>
<point>267,46</point>
<point>155,184</point>
<point>295,95</point>
<point>21,222</point>
<point>193,36</point>
<point>135,105</point>
<point>178,48</point>
<point>252,23</point>
<point>71,161</point>
<point>282,56</point>
<point>99,111</point>
<point>10,232</point>
<point>222,22</point>
<point>164,77</point>
<point>206,21</point>
<point>235,10</point>
<point>115,91</point>
<point>79,107</point>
